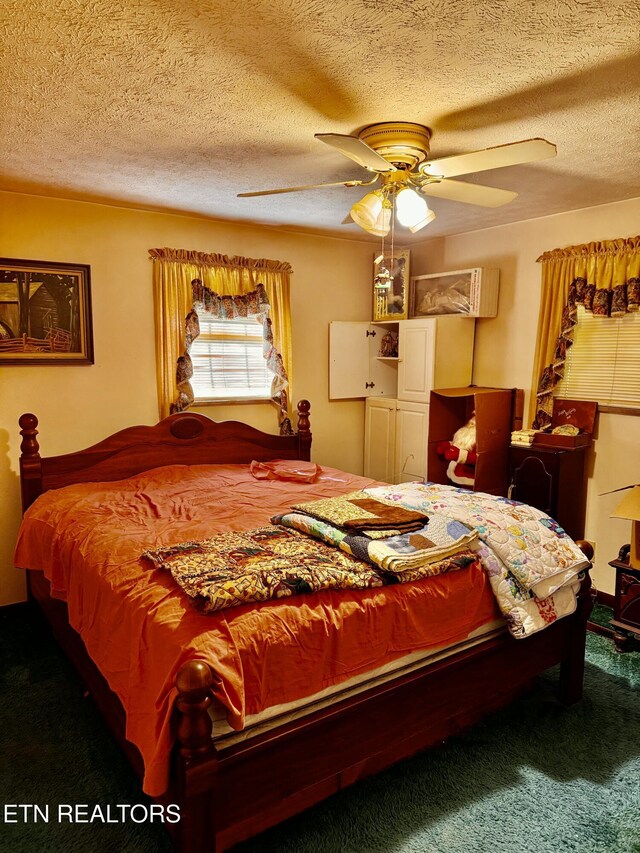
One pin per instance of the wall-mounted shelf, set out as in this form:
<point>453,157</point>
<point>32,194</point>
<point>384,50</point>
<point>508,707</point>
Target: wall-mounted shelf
<point>468,293</point>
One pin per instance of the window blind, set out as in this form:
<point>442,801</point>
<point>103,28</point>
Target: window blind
<point>228,362</point>
<point>604,362</point>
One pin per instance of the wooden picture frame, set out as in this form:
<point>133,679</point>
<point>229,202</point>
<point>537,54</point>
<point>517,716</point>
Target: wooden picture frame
<point>391,286</point>
<point>45,313</point>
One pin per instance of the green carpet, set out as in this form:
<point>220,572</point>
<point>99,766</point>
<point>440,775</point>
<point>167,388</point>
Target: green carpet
<point>535,777</point>
<point>601,615</point>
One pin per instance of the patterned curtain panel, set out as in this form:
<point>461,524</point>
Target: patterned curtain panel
<point>605,278</point>
<point>220,279</point>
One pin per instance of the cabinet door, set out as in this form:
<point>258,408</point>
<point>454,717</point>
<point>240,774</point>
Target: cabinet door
<point>354,369</point>
<point>412,430</point>
<point>348,360</point>
<point>379,439</point>
<point>416,360</point>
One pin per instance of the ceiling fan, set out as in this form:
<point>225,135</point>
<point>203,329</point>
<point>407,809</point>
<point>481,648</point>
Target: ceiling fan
<point>397,155</point>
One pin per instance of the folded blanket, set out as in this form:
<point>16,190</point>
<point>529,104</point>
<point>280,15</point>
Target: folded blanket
<point>534,547</point>
<point>257,565</point>
<point>532,564</point>
<point>399,554</point>
<point>358,511</point>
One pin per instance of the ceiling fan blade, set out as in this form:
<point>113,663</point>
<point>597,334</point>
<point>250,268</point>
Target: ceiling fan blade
<point>511,154</point>
<point>468,193</point>
<point>306,187</point>
<point>357,150</point>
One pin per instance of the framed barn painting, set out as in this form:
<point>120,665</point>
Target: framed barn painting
<point>45,313</point>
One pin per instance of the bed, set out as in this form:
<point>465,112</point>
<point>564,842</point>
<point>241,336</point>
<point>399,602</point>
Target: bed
<point>282,751</point>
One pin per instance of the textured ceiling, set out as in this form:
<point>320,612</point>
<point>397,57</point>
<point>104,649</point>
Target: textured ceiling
<point>180,105</point>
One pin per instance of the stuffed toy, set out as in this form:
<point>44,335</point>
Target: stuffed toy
<point>461,454</point>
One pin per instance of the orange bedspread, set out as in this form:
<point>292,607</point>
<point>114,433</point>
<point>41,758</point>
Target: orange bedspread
<point>139,628</point>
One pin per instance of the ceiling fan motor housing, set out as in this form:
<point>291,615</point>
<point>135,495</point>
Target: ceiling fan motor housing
<point>402,143</point>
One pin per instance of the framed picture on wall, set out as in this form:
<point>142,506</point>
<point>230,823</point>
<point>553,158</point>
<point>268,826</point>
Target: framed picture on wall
<point>391,285</point>
<point>45,313</point>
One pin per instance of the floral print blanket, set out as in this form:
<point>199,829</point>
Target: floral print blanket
<point>532,564</point>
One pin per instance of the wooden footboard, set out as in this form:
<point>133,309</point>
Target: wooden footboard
<point>229,795</point>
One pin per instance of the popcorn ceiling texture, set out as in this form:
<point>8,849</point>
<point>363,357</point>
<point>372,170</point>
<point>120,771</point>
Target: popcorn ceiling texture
<point>182,105</point>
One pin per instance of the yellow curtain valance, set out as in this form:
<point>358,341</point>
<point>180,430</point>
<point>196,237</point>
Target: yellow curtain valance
<point>623,246</point>
<point>606,274</point>
<point>215,259</point>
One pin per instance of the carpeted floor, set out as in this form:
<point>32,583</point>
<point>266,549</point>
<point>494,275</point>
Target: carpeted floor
<point>535,777</point>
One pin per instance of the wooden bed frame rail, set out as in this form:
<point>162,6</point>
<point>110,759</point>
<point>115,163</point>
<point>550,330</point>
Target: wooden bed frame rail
<point>227,794</point>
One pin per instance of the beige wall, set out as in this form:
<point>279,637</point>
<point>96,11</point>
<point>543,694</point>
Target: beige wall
<point>505,345</point>
<point>78,406</point>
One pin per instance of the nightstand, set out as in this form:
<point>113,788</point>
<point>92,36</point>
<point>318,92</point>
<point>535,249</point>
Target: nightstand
<point>553,480</point>
<point>626,607</point>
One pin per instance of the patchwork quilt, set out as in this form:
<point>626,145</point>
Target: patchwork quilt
<point>257,565</point>
<point>532,564</point>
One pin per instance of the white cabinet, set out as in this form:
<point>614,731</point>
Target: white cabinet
<point>412,433</point>
<point>473,293</point>
<point>395,441</point>
<point>434,352</point>
<point>380,439</point>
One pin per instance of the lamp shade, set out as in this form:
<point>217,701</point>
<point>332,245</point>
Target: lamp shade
<point>383,223</point>
<point>412,210</point>
<point>371,212</point>
<point>430,216</point>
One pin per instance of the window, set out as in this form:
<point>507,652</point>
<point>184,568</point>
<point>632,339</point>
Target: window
<point>604,362</point>
<point>227,361</point>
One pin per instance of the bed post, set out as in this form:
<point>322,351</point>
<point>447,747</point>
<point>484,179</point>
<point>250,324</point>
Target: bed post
<point>572,666</point>
<point>304,429</point>
<point>30,462</point>
<point>196,830</point>
<point>194,682</point>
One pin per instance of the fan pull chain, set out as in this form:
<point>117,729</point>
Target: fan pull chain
<point>393,225</point>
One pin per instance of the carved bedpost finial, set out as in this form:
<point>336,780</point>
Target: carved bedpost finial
<point>304,429</point>
<point>194,682</point>
<point>586,548</point>
<point>28,431</point>
<point>30,462</point>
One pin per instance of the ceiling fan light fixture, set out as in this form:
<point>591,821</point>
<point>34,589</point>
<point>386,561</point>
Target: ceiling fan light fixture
<point>410,207</point>
<point>383,223</point>
<point>430,216</point>
<point>372,213</point>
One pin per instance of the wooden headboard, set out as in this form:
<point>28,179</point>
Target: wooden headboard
<point>183,439</point>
